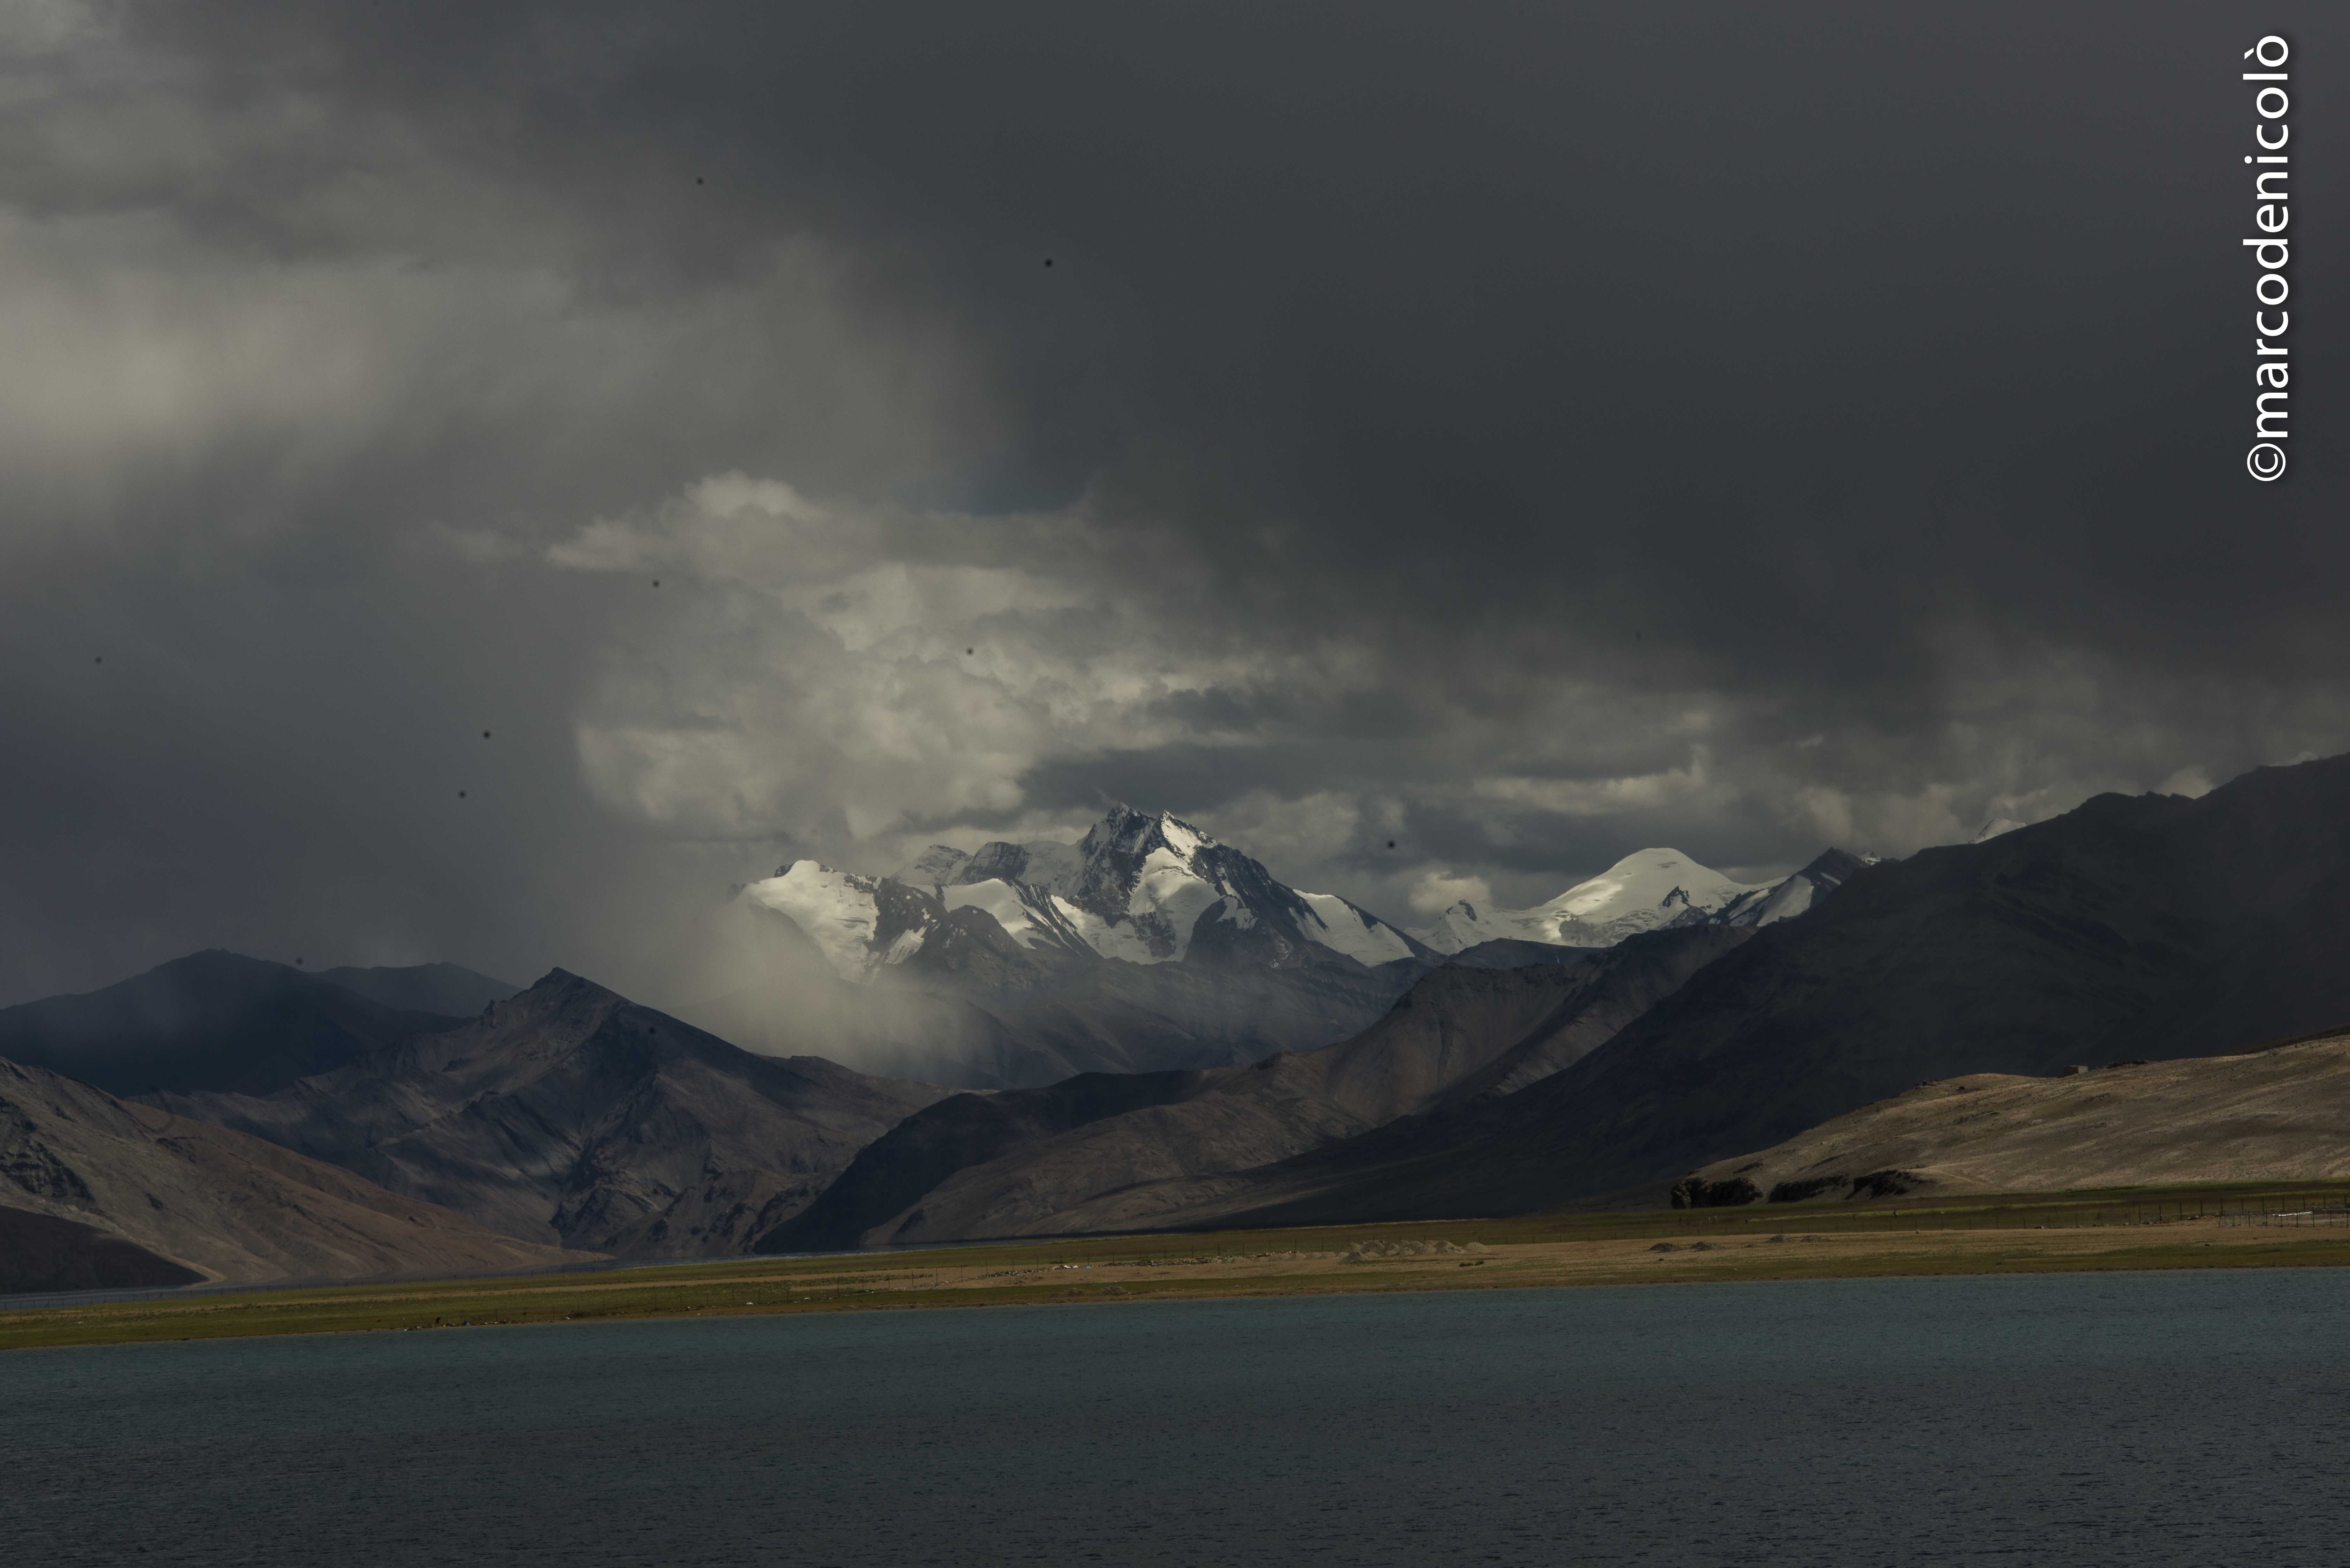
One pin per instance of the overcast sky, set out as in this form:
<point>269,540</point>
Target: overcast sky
<point>1519,433</point>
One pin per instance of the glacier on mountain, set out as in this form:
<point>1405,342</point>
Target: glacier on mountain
<point>1354,930</point>
<point>862,924</point>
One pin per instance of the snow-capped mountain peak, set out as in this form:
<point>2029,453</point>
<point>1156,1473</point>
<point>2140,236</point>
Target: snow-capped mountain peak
<point>1644,880</point>
<point>1457,928</point>
<point>1151,888</point>
<point>1647,889</point>
<point>1140,885</point>
<point>1644,891</point>
<point>1153,880</point>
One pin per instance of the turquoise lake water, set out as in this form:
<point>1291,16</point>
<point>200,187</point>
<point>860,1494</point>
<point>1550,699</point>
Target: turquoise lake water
<point>2190,1418</point>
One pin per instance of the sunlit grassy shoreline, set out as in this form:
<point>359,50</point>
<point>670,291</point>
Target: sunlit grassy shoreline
<point>2181,1227</point>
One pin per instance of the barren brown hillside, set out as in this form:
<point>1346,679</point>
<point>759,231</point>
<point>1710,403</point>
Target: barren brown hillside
<point>98,1191</point>
<point>2282,1114</point>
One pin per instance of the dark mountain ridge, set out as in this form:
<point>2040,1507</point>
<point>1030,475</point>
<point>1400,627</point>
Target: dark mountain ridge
<point>1104,1151</point>
<point>450,990</point>
<point>213,1020</point>
<point>2152,926</point>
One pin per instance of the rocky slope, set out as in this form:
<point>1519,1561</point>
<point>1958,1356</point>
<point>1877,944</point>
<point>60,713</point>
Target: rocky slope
<point>211,1021</point>
<point>2282,1114</point>
<point>569,1114</point>
<point>1103,1152</point>
<point>96,1192</point>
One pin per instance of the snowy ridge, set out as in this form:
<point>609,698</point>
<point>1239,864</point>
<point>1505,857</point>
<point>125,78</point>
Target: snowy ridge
<point>1042,920</point>
<point>1644,891</point>
<point>1785,900</point>
<point>1141,887</point>
<point>1354,930</point>
<point>1150,888</point>
<point>862,924</point>
<point>1780,901</point>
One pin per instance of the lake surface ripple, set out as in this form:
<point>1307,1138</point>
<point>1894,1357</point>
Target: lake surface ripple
<point>2190,1418</point>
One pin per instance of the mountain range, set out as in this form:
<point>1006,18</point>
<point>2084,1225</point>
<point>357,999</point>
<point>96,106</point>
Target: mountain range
<point>2133,927</point>
<point>2147,927</point>
<point>1145,947</point>
<point>1243,1071</point>
<point>1152,889</point>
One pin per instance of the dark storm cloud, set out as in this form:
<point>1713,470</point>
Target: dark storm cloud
<point>1725,314</point>
<point>1515,432</point>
